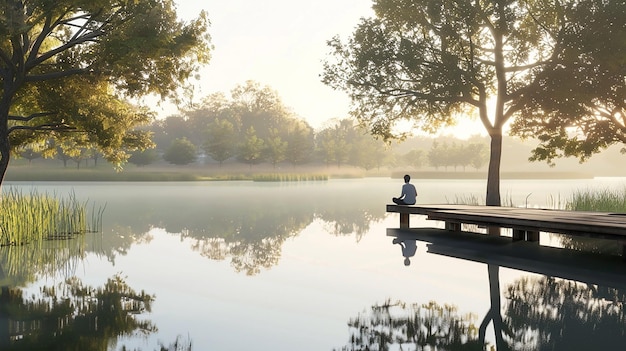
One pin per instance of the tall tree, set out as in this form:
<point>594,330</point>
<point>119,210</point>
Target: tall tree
<point>72,64</point>
<point>577,106</point>
<point>275,148</point>
<point>251,148</point>
<point>300,142</point>
<point>221,141</point>
<point>180,152</point>
<point>431,62</point>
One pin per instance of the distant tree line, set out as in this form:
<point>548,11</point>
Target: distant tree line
<point>253,126</point>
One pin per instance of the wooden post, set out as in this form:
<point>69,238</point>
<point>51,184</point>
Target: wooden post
<point>519,234</point>
<point>493,231</point>
<point>404,220</point>
<point>532,236</point>
<point>453,226</point>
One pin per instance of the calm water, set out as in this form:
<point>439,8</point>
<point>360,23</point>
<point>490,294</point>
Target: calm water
<point>306,266</point>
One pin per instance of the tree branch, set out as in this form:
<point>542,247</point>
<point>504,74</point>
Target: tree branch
<point>30,117</point>
<point>61,127</point>
<point>55,75</point>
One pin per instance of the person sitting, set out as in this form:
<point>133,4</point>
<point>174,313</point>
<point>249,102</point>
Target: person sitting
<point>408,195</point>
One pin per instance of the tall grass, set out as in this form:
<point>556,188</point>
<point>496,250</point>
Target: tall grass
<point>475,200</point>
<point>288,177</point>
<point>598,200</point>
<point>32,217</point>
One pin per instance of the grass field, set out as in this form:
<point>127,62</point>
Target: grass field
<point>53,170</point>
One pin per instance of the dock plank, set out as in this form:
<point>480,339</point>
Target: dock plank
<point>526,223</point>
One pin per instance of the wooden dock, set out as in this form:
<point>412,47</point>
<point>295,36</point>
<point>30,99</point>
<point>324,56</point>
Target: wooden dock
<point>526,223</point>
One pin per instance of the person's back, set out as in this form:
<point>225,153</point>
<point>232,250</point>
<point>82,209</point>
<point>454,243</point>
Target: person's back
<point>409,193</point>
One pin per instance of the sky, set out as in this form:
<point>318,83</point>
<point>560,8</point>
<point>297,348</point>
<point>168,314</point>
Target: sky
<point>280,44</point>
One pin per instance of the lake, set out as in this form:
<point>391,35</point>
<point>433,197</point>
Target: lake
<point>288,266</point>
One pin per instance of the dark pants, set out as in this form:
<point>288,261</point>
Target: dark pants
<point>400,201</point>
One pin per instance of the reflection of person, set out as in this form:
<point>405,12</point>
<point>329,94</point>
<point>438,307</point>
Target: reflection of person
<point>409,247</point>
<point>408,193</point>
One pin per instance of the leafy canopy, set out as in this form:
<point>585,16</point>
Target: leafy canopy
<point>73,65</point>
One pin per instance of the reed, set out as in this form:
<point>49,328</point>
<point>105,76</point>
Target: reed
<point>288,177</point>
<point>474,200</point>
<point>605,200</point>
<point>35,217</point>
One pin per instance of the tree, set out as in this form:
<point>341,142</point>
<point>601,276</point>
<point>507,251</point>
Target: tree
<point>143,158</point>
<point>221,140</point>
<point>437,155</point>
<point>251,150</point>
<point>577,105</point>
<point>300,142</point>
<point>431,62</point>
<point>275,148</point>
<point>414,158</point>
<point>71,65</point>
<point>180,152</point>
<point>30,153</point>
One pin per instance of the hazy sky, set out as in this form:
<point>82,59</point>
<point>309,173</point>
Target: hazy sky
<point>278,43</point>
<point>281,44</point>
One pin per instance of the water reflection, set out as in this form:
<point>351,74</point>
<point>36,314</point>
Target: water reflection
<point>402,326</point>
<point>553,314</point>
<point>69,315</point>
<point>72,316</point>
<point>20,265</point>
<point>244,223</point>
<point>409,247</point>
<point>546,312</point>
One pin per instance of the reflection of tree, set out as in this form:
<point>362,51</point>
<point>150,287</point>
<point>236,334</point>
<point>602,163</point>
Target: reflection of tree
<point>253,242</point>
<point>244,222</point>
<point>553,314</point>
<point>493,314</point>
<point>397,325</point>
<point>350,219</point>
<point>608,247</point>
<point>71,316</point>
<point>118,242</point>
<point>351,214</point>
<point>20,265</point>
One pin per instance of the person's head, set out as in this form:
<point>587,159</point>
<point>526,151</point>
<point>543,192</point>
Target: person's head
<point>407,178</point>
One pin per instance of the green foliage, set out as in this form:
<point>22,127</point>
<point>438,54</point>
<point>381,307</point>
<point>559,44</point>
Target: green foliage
<point>275,148</point>
<point>576,106</point>
<point>431,62</point>
<point>457,154</point>
<point>251,149</point>
<point>288,177</point>
<point>143,158</point>
<point>180,152</point>
<point>69,66</point>
<point>221,140</point>
<point>598,200</point>
<point>36,217</point>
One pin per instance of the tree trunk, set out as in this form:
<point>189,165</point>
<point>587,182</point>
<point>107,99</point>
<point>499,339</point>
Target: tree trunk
<point>5,337</point>
<point>493,175</point>
<point>5,146</point>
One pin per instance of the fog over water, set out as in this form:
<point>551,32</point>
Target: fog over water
<point>287,266</point>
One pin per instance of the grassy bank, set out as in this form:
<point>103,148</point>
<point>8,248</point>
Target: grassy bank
<point>32,217</point>
<point>20,171</point>
<point>598,200</point>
